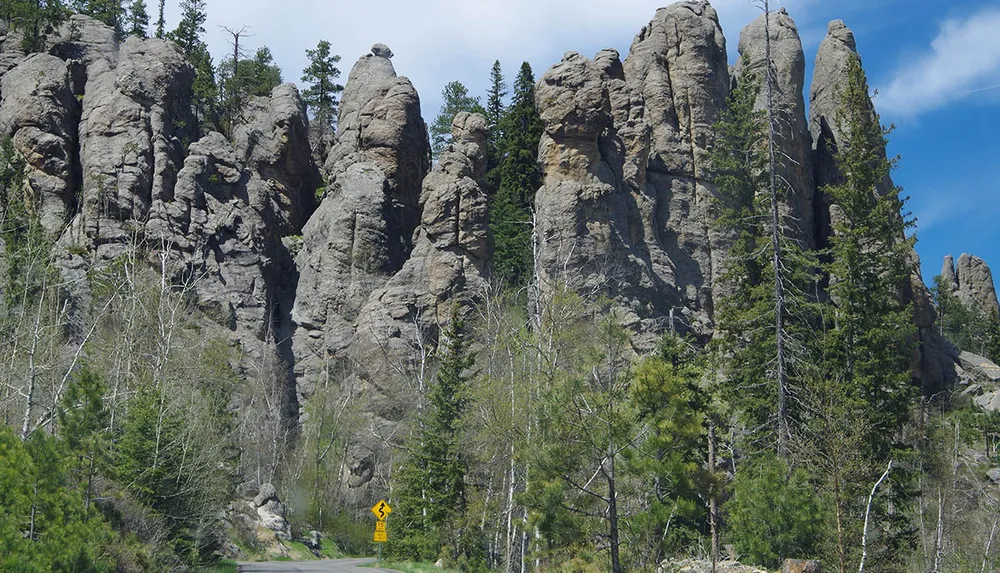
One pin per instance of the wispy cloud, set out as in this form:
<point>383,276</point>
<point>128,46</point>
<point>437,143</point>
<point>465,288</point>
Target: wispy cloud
<point>962,61</point>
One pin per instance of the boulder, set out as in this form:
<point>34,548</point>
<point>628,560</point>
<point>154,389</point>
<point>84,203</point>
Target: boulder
<point>267,493</point>
<point>705,566</point>
<point>271,512</point>
<point>994,475</point>
<point>990,401</point>
<point>982,370</point>
<point>800,566</point>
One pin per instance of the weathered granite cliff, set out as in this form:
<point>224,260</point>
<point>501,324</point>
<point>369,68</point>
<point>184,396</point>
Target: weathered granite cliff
<point>344,259</point>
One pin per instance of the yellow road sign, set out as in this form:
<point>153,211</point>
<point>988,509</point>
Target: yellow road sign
<point>380,526</point>
<point>381,510</point>
<point>381,537</point>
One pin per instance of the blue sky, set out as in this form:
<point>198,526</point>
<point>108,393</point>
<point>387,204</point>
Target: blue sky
<point>936,65</point>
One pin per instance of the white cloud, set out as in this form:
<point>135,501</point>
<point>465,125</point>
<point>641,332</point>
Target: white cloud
<point>436,41</point>
<point>963,61</point>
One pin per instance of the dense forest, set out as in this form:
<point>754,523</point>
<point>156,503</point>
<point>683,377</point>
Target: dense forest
<point>535,435</point>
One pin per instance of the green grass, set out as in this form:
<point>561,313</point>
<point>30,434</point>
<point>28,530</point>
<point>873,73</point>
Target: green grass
<point>411,567</point>
<point>329,549</point>
<point>223,566</point>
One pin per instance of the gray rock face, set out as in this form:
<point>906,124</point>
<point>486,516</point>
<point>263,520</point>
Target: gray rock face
<point>972,282</point>
<point>274,144</point>
<point>627,201</point>
<point>362,232</point>
<point>403,318</point>
<point>793,137</point>
<point>835,52</point>
<point>40,110</point>
<point>232,205</point>
<point>85,39</point>
<point>449,259</point>
<point>134,121</point>
<point>981,369</point>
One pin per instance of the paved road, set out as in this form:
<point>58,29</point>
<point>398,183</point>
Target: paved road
<point>330,566</point>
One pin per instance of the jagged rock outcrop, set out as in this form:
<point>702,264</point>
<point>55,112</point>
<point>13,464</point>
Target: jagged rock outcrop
<point>232,204</point>
<point>795,172</point>
<point>39,109</point>
<point>362,231</point>
<point>135,118</point>
<point>678,62</point>
<point>835,52</point>
<point>628,195</point>
<point>972,282</point>
<point>449,261</point>
<point>590,229</point>
<point>403,317</point>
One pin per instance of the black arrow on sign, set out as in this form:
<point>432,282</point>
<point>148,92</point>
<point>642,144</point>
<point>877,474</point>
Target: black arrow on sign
<point>381,509</point>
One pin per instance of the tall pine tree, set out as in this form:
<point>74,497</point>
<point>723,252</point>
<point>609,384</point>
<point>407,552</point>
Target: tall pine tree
<point>869,344</point>
<point>456,99</point>
<point>111,12</point>
<point>35,19</point>
<point>517,178</point>
<point>433,497</point>
<point>161,21</point>
<point>766,346</point>
<point>495,108</point>
<point>188,36</point>
<point>322,73</point>
<point>138,22</point>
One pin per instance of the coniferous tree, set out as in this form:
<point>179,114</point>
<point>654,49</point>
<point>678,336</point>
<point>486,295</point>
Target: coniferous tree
<point>868,346</point>
<point>495,108</point>
<point>255,76</point>
<point>111,12</point>
<point>43,526</point>
<point>766,347</point>
<point>322,73</point>
<point>433,494</point>
<point>188,36</point>
<point>35,19</point>
<point>670,461</point>
<point>138,19</point>
<point>161,21</point>
<point>83,420</point>
<point>518,179</point>
<point>456,99</point>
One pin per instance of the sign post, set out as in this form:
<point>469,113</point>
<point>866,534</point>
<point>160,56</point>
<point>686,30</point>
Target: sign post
<point>381,511</point>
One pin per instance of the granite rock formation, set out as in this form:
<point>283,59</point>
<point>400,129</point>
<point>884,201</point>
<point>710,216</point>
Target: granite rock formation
<point>932,363</point>
<point>362,232</point>
<point>972,282</point>
<point>626,205</point>
<point>795,173</point>
<point>40,110</point>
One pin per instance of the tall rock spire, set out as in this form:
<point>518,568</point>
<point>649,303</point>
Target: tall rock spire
<point>793,139</point>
